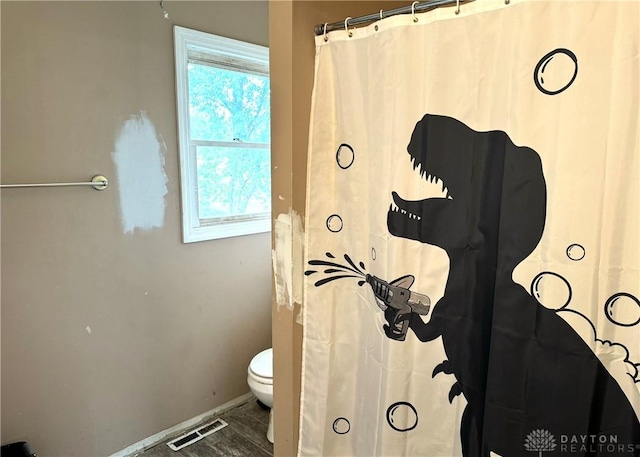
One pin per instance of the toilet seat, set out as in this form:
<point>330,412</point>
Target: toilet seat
<point>260,381</point>
<point>261,367</point>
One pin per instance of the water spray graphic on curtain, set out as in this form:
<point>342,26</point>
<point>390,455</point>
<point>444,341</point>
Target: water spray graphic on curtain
<point>395,297</point>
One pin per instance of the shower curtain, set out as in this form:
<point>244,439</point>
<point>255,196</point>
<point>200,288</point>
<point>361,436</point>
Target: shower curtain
<point>472,231</point>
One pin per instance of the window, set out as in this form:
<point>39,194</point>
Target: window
<point>223,101</point>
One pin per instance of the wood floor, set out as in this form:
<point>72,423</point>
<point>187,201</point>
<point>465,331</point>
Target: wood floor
<point>245,436</point>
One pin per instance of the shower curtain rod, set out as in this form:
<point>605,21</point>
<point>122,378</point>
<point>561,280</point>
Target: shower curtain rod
<point>416,7</point>
<point>98,182</point>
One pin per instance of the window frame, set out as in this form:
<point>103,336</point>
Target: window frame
<point>255,56</point>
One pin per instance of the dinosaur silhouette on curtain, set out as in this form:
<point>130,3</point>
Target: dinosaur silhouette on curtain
<point>519,365</point>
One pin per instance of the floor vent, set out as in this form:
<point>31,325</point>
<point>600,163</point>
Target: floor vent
<point>196,435</point>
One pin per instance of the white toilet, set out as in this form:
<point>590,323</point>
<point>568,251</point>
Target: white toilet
<point>260,380</point>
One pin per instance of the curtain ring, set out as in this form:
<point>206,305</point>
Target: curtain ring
<point>326,38</point>
<point>382,17</point>
<point>506,2</point>
<point>346,26</point>
<point>458,6</point>
<point>413,11</point>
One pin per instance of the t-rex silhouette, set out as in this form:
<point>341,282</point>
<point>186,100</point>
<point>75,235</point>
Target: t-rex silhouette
<point>519,365</point>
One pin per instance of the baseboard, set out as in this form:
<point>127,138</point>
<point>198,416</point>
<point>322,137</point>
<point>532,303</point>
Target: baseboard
<point>158,438</point>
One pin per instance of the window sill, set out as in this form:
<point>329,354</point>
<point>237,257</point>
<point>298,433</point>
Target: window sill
<point>227,230</point>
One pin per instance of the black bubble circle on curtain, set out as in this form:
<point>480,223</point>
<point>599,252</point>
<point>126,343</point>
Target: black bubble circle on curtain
<point>623,309</point>
<point>334,223</point>
<point>556,71</point>
<point>402,416</point>
<point>576,252</point>
<point>341,426</point>
<point>345,156</point>
<point>551,290</point>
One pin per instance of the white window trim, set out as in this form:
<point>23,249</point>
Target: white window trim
<point>185,40</point>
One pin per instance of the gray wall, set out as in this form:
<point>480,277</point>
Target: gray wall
<point>107,337</point>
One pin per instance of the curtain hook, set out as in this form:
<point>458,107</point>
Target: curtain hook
<point>381,18</point>
<point>506,2</point>
<point>346,26</point>
<point>326,38</point>
<point>458,6</point>
<point>413,11</point>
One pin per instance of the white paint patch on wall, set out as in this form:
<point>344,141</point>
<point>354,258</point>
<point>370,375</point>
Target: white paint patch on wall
<point>142,181</point>
<point>288,259</point>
